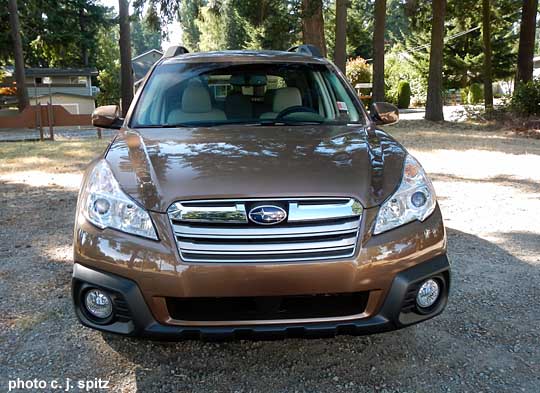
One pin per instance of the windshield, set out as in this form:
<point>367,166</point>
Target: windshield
<point>208,94</point>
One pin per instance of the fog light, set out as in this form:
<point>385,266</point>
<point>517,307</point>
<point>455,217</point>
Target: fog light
<point>428,293</point>
<point>98,303</point>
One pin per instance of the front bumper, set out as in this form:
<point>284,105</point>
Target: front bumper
<point>133,316</point>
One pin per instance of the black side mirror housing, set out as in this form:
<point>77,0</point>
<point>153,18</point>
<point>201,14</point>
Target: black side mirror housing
<point>384,113</point>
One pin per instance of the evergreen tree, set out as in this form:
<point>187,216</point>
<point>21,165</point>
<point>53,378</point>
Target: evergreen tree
<point>488,70</point>
<point>126,70</point>
<point>378,51</point>
<point>359,32</point>
<point>527,38</point>
<point>313,24</point>
<point>463,51</point>
<point>22,93</point>
<point>108,65</point>
<point>188,15</point>
<point>55,33</point>
<point>434,102</point>
<point>340,50</point>
<point>212,27</point>
<point>144,36</point>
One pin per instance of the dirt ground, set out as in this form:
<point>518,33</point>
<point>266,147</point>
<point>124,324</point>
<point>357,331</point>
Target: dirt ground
<point>487,340</point>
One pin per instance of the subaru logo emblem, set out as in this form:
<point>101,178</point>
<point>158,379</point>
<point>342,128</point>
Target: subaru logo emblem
<point>267,215</point>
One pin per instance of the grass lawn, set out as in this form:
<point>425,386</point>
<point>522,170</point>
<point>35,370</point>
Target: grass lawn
<point>51,157</point>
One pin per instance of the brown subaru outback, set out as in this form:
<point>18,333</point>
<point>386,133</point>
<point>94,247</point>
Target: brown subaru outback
<point>249,194</point>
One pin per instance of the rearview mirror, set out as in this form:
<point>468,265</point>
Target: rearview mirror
<point>107,116</point>
<point>383,113</point>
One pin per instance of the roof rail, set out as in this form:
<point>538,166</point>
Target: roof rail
<point>306,49</point>
<point>175,50</point>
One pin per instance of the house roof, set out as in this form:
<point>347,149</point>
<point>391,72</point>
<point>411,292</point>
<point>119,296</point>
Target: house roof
<point>141,64</point>
<point>142,55</point>
<point>61,71</point>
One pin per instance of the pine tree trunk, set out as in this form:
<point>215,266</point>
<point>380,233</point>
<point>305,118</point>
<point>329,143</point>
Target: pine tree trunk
<point>434,104</point>
<point>488,71</point>
<point>378,50</point>
<point>22,92</point>
<point>126,72</point>
<point>527,38</point>
<point>313,24</point>
<point>340,49</point>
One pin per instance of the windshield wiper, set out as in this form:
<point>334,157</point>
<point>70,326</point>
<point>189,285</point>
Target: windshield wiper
<point>282,122</point>
<point>186,125</point>
<point>261,122</point>
<point>196,124</point>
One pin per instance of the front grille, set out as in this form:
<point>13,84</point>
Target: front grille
<point>220,231</point>
<point>267,307</point>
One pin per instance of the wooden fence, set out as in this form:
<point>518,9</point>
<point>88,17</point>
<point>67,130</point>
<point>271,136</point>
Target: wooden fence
<point>42,116</point>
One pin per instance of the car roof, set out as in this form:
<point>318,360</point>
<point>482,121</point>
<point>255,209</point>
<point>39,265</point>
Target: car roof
<point>251,56</point>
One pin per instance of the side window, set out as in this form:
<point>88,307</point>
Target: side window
<point>343,101</point>
<point>326,108</point>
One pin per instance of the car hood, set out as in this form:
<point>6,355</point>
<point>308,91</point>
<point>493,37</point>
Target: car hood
<point>157,167</point>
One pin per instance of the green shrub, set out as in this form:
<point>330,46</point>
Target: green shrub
<point>526,98</point>
<point>358,71</point>
<point>403,95</point>
<point>390,94</point>
<point>475,94</point>
<point>399,68</point>
<point>464,95</point>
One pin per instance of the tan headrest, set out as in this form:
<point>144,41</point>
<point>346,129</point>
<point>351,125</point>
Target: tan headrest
<point>196,99</point>
<point>285,98</point>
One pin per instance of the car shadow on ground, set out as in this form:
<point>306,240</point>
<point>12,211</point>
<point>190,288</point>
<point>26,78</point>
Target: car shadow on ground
<point>428,136</point>
<point>468,343</point>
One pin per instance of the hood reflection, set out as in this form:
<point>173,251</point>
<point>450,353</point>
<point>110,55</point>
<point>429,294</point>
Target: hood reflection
<point>160,166</point>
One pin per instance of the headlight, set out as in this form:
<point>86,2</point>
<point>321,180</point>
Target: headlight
<point>414,199</point>
<point>105,205</point>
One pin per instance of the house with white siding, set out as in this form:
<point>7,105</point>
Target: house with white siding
<point>70,87</point>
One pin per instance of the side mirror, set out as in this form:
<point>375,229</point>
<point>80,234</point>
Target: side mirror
<point>383,113</point>
<point>107,116</point>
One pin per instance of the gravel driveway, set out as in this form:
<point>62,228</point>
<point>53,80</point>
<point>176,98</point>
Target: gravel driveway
<point>487,340</point>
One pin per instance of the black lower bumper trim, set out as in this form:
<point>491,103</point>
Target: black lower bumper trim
<point>390,317</point>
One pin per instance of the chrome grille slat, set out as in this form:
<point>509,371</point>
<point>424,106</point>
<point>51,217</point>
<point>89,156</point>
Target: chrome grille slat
<point>261,247</point>
<point>316,229</point>
<point>244,232</point>
<point>296,251</point>
<point>239,258</point>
